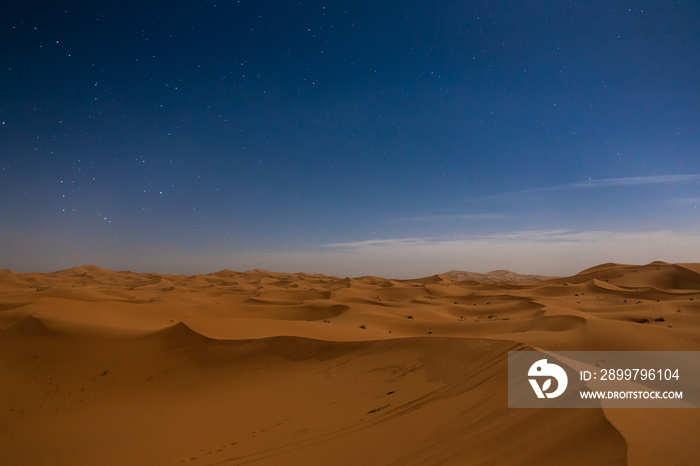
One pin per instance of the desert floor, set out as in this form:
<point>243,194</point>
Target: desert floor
<point>116,368</point>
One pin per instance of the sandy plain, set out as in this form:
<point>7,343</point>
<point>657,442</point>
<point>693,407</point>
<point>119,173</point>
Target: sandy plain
<point>263,368</point>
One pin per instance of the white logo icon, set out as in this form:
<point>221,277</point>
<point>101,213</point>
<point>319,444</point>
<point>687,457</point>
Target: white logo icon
<point>543,369</point>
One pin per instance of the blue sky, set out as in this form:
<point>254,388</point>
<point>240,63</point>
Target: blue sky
<point>349,138</point>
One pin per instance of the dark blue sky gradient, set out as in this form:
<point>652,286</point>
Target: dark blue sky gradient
<point>192,136</point>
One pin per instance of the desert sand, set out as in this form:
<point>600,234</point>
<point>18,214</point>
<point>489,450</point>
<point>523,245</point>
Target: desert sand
<point>115,368</point>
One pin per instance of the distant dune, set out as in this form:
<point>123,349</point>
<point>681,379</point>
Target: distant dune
<point>495,276</point>
<point>257,367</point>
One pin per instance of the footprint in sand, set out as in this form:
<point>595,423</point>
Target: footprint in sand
<point>218,450</point>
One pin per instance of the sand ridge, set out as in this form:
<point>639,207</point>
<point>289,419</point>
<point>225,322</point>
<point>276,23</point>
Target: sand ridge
<point>258,367</point>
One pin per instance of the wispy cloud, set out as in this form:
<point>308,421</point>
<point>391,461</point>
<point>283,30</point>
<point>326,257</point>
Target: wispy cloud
<point>684,201</point>
<point>454,217</point>
<point>394,243</point>
<point>382,243</point>
<point>526,236</point>
<point>632,181</point>
<point>605,183</point>
<point>548,252</point>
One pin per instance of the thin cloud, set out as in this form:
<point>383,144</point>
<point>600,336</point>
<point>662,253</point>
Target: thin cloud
<point>684,201</point>
<point>605,183</point>
<point>525,236</point>
<point>454,217</point>
<point>379,243</point>
<point>545,252</point>
<point>633,181</point>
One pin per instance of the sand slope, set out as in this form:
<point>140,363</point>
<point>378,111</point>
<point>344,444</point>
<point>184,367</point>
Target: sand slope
<point>104,367</point>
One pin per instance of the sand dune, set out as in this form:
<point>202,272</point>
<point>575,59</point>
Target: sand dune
<point>495,276</point>
<point>258,367</point>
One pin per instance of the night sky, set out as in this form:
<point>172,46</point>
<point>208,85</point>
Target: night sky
<point>398,139</point>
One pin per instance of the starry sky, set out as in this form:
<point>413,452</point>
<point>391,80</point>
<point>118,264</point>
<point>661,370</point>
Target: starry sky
<point>399,139</point>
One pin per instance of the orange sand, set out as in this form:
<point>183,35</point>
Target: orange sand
<point>115,368</point>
